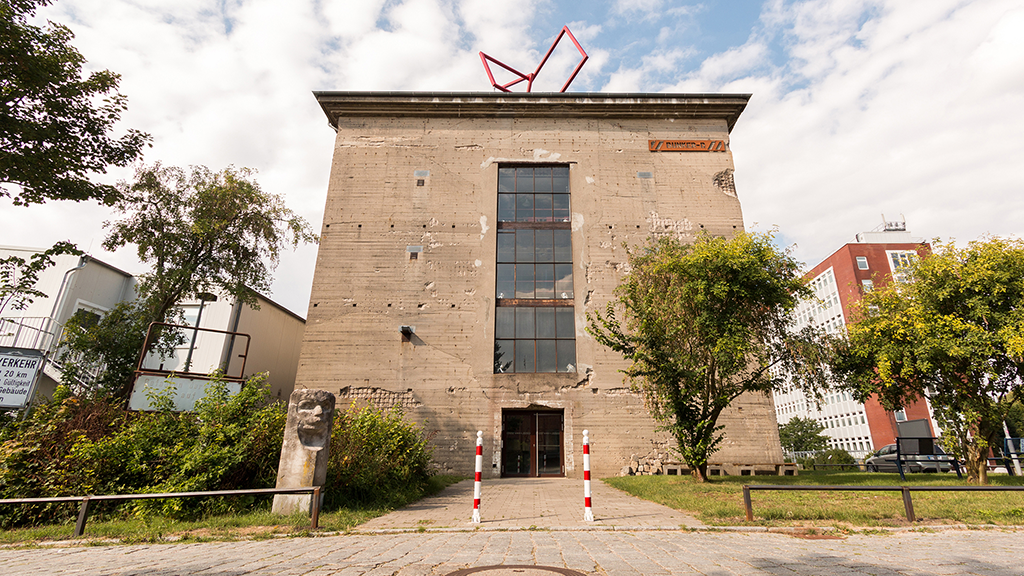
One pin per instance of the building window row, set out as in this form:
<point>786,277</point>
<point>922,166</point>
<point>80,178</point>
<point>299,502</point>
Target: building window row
<point>534,327</point>
<point>533,194</point>
<point>534,264</point>
<point>535,339</point>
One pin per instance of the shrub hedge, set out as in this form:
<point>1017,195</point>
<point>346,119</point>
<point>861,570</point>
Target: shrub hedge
<point>72,446</point>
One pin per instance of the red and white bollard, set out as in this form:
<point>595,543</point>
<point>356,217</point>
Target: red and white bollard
<point>479,470</point>
<point>588,512</point>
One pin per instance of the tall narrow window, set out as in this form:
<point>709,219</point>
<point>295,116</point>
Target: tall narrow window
<point>534,319</point>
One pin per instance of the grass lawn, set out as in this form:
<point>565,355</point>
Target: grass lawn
<point>720,501</point>
<point>256,524</point>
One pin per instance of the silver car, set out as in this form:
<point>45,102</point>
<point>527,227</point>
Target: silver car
<point>885,461</point>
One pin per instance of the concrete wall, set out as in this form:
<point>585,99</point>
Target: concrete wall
<point>366,286</point>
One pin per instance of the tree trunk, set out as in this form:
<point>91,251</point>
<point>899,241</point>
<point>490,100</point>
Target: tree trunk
<point>977,462</point>
<point>977,457</point>
<point>700,472</point>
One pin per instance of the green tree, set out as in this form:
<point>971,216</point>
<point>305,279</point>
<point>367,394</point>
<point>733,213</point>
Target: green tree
<point>18,276</point>
<point>1015,420</point>
<point>99,358</point>
<point>954,330</point>
<point>54,123</point>
<point>703,324</point>
<point>201,231</point>
<point>802,435</point>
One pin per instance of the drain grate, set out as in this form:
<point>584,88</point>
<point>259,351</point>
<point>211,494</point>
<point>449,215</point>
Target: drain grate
<point>516,570</point>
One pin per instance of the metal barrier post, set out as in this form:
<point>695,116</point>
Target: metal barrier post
<point>588,512</point>
<point>1008,448</point>
<point>747,505</point>
<point>899,461</point>
<point>908,504</point>
<point>316,508</point>
<point>479,470</point>
<point>83,512</point>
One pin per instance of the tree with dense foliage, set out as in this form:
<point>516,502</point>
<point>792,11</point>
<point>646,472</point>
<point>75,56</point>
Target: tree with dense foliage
<point>702,324</point>
<point>202,232</point>
<point>802,435</point>
<point>18,276</point>
<point>99,358</point>
<point>952,330</point>
<point>1015,419</point>
<point>55,124</point>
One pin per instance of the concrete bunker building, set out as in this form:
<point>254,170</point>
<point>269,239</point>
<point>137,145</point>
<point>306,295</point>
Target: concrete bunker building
<point>467,235</point>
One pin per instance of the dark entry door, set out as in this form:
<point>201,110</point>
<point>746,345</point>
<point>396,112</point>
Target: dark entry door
<point>531,443</point>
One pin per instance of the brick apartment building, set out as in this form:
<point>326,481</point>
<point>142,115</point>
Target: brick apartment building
<point>873,260</point>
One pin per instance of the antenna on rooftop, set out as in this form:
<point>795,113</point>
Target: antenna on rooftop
<point>529,78</point>
<point>895,225</point>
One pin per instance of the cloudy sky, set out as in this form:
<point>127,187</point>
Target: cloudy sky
<point>860,107</point>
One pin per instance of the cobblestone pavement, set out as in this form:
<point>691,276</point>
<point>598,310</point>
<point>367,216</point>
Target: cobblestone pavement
<point>598,552</point>
<point>629,537</point>
<point>537,502</point>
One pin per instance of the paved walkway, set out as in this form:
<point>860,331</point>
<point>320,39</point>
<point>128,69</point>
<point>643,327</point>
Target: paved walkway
<point>596,553</point>
<point>551,503</point>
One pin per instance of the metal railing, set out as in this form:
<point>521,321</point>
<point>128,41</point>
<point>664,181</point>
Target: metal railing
<point>45,334</point>
<point>859,466</point>
<point>908,503</point>
<point>83,510</point>
<point>801,455</point>
<point>35,332</point>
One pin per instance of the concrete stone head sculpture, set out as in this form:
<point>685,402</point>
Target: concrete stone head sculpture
<point>311,413</point>
<point>306,447</point>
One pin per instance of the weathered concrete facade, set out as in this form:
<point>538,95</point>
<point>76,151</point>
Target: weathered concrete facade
<point>419,171</point>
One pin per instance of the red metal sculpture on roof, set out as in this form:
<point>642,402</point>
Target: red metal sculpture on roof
<point>529,78</point>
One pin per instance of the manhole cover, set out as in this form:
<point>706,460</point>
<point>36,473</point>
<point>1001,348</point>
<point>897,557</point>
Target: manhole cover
<point>516,570</point>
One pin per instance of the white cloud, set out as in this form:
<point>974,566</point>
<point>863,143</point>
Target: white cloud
<point>909,113</point>
<point>646,8</point>
<point>859,106</point>
<point>348,20</point>
<point>878,107</point>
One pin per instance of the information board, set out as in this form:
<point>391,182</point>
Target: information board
<point>186,391</point>
<point>18,370</point>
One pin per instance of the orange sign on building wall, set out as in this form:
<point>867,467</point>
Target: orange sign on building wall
<point>687,145</point>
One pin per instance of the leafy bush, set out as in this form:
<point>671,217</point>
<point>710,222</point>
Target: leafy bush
<point>377,459</point>
<point>225,443</point>
<point>70,446</point>
<point>832,456</point>
<point>34,456</point>
<point>76,445</point>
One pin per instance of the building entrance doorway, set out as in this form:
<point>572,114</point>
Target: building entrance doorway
<point>531,443</point>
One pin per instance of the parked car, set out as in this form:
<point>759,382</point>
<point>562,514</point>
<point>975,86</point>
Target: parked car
<point>884,460</point>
